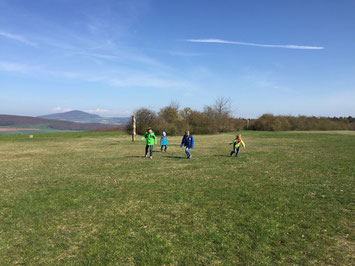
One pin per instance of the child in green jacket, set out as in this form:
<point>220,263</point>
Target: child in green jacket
<point>151,139</point>
<point>236,145</point>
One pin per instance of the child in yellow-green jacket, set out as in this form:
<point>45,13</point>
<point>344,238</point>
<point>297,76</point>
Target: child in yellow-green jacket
<point>237,142</point>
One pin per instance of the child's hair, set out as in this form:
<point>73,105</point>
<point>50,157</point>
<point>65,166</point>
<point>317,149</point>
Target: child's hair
<point>239,136</point>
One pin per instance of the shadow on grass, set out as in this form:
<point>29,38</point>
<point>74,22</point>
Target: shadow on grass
<point>135,156</point>
<point>175,157</point>
<point>113,143</point>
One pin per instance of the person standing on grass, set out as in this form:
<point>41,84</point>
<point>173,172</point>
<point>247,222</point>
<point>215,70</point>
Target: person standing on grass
<point>151,139</point>
<point>236,145</point>
<point>188,142</point>
<point>163,142</point>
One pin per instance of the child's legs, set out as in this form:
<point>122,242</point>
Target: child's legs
<point>146,150</point>
<point>151,150</point>
<point>234,150</point>
<point>166,147</point>
<point>188,154</point>
<point>161,147</point>
<point>237,151</point>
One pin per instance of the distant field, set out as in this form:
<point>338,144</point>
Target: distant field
<point>37,129</point>
<point>16,129</point>
<point>90,198</point>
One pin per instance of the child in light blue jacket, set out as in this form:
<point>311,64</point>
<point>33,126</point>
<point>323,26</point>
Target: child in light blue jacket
<point>164,142</point>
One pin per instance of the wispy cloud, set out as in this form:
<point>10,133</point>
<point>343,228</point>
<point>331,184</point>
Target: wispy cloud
<point>138,80</point>
<point>13,67</point>
<point>285,46</point>
<point>185,54</point>
<point>121,78</point>
<point>16,37</point>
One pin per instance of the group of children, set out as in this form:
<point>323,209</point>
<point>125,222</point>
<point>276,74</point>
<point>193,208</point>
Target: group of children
<point>187,141</point>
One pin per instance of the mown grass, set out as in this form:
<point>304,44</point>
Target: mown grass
<point>90,198</point>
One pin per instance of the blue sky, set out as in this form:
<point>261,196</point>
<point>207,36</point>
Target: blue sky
<point>111,57</point>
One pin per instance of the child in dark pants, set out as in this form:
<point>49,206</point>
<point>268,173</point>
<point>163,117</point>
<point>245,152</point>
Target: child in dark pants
<point>237,142</point>
<point>151,139</point>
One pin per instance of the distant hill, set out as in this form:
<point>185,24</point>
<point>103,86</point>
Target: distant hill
<point>71,115</point>
<point>20,121</point>
<point>84,117</point>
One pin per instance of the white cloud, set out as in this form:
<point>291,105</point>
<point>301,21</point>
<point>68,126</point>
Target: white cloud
<point>98,111</point>
<point>287,46</point>
<point>59,109</point>
<point>18,38</point>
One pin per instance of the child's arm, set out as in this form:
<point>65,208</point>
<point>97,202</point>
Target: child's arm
<point>182,141</point>
<point>243,143</point>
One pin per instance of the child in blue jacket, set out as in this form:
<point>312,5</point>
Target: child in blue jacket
<point>188,142</point>
<point>163,142</point>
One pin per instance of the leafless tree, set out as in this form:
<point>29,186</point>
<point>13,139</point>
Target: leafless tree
<point>222,106</point>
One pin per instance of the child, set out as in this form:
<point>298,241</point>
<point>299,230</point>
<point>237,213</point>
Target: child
<point>163,142</point>
<point>188,142</point>
<point>236,145</point>
<point>151,140</point>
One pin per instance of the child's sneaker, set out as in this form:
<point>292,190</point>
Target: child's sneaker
<point>151,157</point>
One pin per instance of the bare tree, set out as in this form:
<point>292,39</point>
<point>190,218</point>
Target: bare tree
<point>222,111</point>
<point>222,106</point>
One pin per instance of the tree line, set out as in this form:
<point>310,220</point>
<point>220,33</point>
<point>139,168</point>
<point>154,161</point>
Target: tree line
<point>269,122</point>
<point>218,118</point>
<point>174,120</point>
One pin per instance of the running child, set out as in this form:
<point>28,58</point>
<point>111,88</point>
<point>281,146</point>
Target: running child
<point>188,142</point>
<point>151,139</point>
<point>236,145</point>
<point>163,142</point>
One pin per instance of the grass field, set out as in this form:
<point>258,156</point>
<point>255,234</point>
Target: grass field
<point>90,198</point>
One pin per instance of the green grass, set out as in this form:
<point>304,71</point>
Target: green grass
<point>90,198</point>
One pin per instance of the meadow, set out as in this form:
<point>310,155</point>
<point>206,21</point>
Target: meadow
<point>92,199</point>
